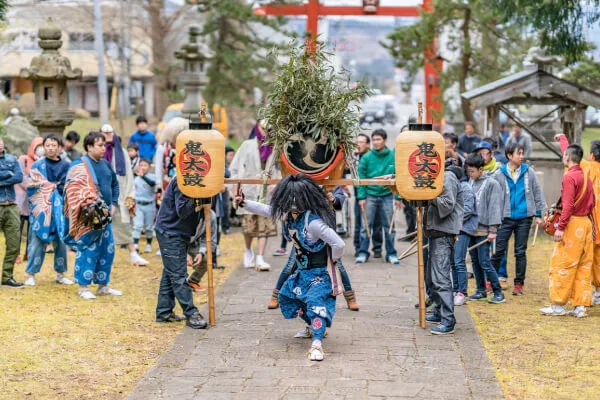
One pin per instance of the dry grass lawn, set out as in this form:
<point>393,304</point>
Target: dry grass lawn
<point>54,345</point>
<point>535,356</point>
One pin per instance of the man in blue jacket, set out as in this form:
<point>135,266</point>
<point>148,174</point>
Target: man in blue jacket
<point>176,224</point>
<point>145,139</point>
<point>10,216</point>
<point>523,200</point>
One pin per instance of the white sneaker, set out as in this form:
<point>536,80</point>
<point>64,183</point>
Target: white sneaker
<point>459,299</point>
<point>578,312</point>
<point>249,260</point>
<point>596,298</point>
<point>63,280</point>
<point>158,252</point>
<point>30,281</point>
<point>148,248</point>
<point>304,333</point>
<point>86,294</point>
<point>263,266</point>
<point>316,352</point>
<point>553,310</point>
<point>106,291</point>
<point>136,259</point>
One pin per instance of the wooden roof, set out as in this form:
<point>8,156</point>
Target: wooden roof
<point>534,86</point>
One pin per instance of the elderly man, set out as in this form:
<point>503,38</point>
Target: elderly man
<point>253,156</point>
<point>120,163</point>
<point>10,174</point>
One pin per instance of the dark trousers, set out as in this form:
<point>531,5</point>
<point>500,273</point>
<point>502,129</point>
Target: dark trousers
<point>9,224</point>
<point>173,284</point>
<point>438,277</point>
<point>520,228</point>
<point>410,214</point>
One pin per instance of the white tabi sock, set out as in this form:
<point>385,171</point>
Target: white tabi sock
<point>260,260</point>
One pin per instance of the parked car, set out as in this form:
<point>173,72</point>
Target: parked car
<point>219,115</point>
<point>378,110</point>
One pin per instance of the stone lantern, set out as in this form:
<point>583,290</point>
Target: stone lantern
<point>50,72</point>
<point>193,78</point>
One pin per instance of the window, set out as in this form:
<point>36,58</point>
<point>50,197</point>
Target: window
<point>48,93</point>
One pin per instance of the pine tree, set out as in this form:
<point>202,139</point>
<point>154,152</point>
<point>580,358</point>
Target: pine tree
<point>239,51</point>
<point>486,50</point>
<point>3,8</point>
<point>561,24</point>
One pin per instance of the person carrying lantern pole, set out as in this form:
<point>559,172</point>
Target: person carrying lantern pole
<point>309,293</point>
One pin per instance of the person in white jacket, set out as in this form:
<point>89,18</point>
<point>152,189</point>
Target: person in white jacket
<point>119,160</point>
<point>252,158</point>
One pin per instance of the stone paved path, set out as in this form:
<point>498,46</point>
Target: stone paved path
<point>378,352</point>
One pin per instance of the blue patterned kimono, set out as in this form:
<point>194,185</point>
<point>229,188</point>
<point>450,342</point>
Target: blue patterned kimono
<point>95,247</point>
<point>44,200</point>
<point>307,292</point>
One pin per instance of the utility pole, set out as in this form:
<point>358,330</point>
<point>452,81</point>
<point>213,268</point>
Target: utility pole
<point>124,58</point>
<point>99,45</point>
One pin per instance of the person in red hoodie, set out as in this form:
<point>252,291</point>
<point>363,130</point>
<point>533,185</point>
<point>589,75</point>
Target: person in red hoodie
<point>35,152</point>
<point>570,277</point>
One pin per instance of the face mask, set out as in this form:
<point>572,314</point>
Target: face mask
<point>39,152</point>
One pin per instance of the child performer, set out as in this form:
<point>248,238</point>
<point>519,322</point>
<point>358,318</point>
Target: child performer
<point>309,224</point>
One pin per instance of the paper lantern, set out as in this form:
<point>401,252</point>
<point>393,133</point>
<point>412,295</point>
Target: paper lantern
<point>200,162</point>
<point>420,157</point>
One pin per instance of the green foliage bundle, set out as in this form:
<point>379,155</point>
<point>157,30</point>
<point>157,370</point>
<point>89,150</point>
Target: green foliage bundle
<point>3,8</point>
<point>310,99</point>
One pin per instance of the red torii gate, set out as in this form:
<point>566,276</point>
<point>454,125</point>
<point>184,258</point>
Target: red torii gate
<point>313,9</point>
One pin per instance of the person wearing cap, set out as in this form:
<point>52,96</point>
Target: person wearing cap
<point>119,160</point>
<point>486,151</point>
<point>145,139</point>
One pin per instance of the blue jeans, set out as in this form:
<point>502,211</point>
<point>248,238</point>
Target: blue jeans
<point>173,284</point>
<point>376,233</point>
<point>379,209</point>
<point>502,271</point>
<point>438,277</point>
<point>36,252</point>
<point>144,219</point>
<point>459,266</point>
<point>482,267</point>
<point>520,228</point>
<point>289,269</point>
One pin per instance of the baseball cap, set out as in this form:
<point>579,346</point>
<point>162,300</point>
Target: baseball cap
<point>106,128</point>
<point>483,145</point>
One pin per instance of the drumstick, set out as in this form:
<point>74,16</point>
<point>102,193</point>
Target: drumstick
<point>494,247</point>
<point>393,220</point>
<point>537,227</point>
<point>238,192</point>
<point>477,245</point>
<point>407,236</point>
<point>412,253</point>
<point>408,249</point>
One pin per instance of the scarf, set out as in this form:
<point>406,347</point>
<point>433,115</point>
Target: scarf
<point>119,158</point>
<point>264,149</point>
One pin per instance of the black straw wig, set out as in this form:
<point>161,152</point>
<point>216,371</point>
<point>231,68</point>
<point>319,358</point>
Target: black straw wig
<point>301,193</point>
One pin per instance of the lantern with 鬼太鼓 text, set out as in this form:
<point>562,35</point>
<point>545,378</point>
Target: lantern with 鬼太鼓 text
<point>200,162</point>
<point>420,157</point>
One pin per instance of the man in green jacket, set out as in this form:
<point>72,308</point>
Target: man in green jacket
<point>377,201</point>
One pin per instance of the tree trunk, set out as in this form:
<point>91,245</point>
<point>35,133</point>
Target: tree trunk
<point>159,56</point>
<point>465,65</point>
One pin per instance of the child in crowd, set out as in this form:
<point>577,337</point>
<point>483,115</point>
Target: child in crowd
<point>488,202</point>
<point>134,155</point>
<point>145,184</point>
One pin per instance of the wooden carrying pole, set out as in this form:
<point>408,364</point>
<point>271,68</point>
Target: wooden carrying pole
<point>209,261</point>
<point>421,267</point>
